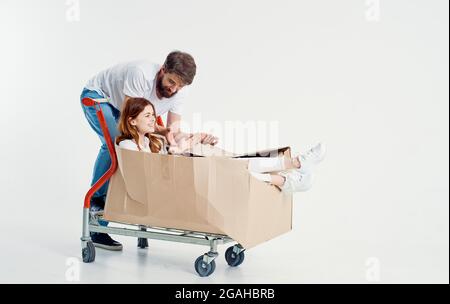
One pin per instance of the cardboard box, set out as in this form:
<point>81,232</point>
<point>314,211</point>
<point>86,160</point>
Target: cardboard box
<point>209,191</point>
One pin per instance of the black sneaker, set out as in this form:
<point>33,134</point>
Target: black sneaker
<point>103,240</point>
<point>97,203</point>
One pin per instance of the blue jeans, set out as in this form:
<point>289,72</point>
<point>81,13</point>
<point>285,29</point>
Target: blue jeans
<point>103,161</point>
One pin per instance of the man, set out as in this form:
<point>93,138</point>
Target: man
<point>163,86</point>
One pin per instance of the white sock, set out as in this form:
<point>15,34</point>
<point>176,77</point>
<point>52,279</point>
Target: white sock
<point>265,177</point>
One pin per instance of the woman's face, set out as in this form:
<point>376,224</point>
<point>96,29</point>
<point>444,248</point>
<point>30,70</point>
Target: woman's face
<point>145,121</point>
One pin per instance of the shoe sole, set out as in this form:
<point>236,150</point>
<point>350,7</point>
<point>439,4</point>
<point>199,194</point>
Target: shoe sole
<point>324,153</point>
<point>321,156</point>
<point>110,248</point>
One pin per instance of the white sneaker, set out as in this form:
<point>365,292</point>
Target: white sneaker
<point>296,181</point>
<point>312,157</point>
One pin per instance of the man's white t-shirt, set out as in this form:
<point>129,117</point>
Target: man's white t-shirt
<point>134,79</point>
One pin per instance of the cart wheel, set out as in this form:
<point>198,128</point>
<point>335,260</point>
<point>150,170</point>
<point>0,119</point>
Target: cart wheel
<point>142,243</point>
<point>88,253</point>
<point>234,259</point>
<point>204,269</point>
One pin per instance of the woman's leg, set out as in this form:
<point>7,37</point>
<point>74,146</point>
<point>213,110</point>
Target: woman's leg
<point>293,175</point>
<point>272,164</point>
<point>289,181</point>
<point>277,180</point>
<point>271,178</point>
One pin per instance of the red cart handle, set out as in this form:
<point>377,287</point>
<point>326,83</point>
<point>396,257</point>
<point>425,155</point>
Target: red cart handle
<point>112,152</point>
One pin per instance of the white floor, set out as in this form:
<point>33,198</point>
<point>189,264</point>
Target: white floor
<point>44,248</point>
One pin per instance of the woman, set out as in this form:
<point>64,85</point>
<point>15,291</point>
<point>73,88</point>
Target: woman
<point>137,126</point>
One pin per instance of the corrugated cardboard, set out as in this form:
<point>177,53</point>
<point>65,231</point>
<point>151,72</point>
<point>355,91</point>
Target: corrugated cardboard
<point>209,191</point>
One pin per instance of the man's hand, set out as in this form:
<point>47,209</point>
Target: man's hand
<point>208,139</point>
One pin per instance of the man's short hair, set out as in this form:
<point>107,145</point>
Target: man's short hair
<point>181,64</point>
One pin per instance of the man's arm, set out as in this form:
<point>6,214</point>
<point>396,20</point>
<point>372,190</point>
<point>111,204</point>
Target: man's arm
<point>173,124</point>
<point>172,130</point>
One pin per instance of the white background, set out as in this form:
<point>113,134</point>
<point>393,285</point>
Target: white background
<point>373,87</point>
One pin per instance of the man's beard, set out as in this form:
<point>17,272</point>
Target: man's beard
<point>163,91</point>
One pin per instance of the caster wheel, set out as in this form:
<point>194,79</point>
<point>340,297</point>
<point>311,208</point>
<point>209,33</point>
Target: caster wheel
<point>234,259</point>
<point>204,269</point>
<point>142,243</point>
<point>88,253</point>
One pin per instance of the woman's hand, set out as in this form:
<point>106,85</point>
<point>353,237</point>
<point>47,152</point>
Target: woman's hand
<point>186,141</point>
<point>183,143</point>
<point>175,150</point>
<point>201,138</point>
